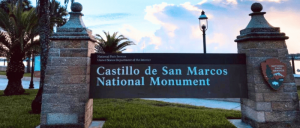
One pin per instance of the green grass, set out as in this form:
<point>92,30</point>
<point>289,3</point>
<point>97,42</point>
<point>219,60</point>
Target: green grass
<point>25,74</point>
<point>14,111</point>
<point>122,113</point>
<point>298,91</point>
<point>2,73</point>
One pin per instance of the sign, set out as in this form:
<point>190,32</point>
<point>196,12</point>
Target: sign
<point>274,72</point>
<point>166,75</point>
<point>294,56</point>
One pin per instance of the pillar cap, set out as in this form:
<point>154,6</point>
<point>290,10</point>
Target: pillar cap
<point>76,7</point>
<point>256,7</point>
<point>259,28</point>
<point>74,29</point>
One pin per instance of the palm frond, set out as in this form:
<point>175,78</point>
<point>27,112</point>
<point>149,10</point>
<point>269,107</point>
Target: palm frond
<point>4,39</point>
<point>18,28</point>
<point>112,44</point>
<point>32,46</point>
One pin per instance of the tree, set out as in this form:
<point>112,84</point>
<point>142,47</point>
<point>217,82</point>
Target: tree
<point>57,18</point>
<point>26,4</point>
<point>15,42</point>
<point>57,15</point>
<point>112,44</point>
<point>44,32</point>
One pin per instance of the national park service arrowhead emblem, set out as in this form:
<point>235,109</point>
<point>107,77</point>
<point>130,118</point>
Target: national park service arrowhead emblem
<point>274,72</point>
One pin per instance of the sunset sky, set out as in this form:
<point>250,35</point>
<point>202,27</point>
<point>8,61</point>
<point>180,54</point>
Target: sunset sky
<point>172,26</point>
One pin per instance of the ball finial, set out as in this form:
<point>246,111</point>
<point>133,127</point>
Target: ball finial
<point>256,7</point>
<point>76,7</point>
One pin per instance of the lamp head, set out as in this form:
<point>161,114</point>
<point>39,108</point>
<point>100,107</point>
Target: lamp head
<point>203,21</point>
<point>202,16</point>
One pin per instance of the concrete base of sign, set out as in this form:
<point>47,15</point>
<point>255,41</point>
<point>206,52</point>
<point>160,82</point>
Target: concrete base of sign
<point>94,124</point>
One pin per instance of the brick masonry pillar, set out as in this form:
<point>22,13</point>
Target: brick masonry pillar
<point>65,96</point>
<point>265,107</point>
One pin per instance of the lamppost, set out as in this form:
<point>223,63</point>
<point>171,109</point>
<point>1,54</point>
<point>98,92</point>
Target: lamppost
<point>31,85</point>
<point>203,27</point>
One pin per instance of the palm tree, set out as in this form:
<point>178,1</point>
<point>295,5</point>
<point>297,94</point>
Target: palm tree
<point>112,44</point>
<point>43,8</point>
<point>58,18</point>
<point>15,43</point>
<point>26,4</point>
<point>57,15</point>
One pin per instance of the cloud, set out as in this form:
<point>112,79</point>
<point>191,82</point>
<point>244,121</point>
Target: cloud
<point>226,2</point>
<point>109,16</point>
<point>235,2</point>
<point>276,1</point>
<point>179,30</point>
<point>103,20</point>
<point>288,25</point>
<point>202,2</point>
<point>99,26</point>
<point>154,14</point>
<point>153,11</point>
<point>232,1</point>
<point>131,32</point>
<point>188,6</point>
<point>139,38</point>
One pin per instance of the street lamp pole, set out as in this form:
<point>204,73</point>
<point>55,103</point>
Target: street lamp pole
<point>293,64</point>
<point>204,43</point>
<point>31,85</point>
<point>203,27</point>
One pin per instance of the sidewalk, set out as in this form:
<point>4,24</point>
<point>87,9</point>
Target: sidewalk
<point>201,102</point>
<point>24,78</point>
<point>25,82</point>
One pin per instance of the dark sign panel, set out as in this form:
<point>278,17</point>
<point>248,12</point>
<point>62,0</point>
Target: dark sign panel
<point>274,72</point>
<point>163,75</point>
<point>294,56</point>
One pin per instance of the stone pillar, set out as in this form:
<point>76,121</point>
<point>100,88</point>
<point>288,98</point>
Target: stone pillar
<point>65,96</point>
<point>265,107</point>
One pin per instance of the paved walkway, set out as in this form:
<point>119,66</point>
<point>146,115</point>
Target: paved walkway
<point>25,83</point>
<point>202,102</point>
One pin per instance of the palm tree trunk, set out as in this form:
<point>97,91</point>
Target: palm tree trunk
<point>44,32</point>
<point>14,73</point>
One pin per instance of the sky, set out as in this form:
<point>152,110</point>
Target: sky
<point>172,26</point>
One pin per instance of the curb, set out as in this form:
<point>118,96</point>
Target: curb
<point>236,100</point>
<point>24,78</point>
